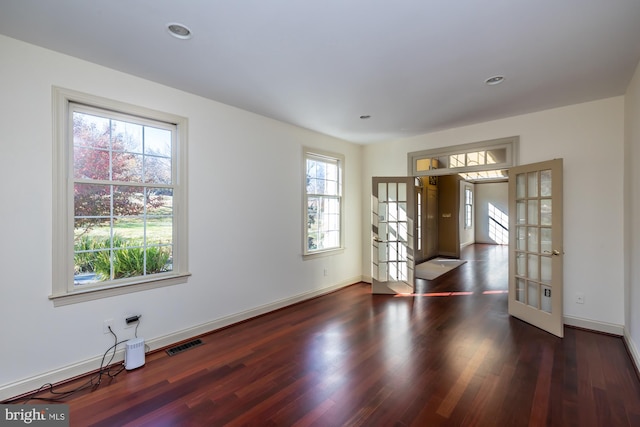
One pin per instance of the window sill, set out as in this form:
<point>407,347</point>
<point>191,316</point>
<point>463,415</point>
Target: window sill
<point>324,253</point>
<point>105,292</point>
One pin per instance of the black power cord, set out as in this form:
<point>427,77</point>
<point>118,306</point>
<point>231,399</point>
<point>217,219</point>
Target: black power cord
<point>93,382</point>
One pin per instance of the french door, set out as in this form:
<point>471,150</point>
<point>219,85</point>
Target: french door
<point>535,245</point>
<point>392,231</point>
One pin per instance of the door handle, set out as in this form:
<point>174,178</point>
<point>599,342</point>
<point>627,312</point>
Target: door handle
<point>554,252</point>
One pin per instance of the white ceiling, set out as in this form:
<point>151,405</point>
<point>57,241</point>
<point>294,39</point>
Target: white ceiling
<point>415,66</point>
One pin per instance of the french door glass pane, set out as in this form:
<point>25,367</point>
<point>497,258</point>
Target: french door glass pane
<point>545,241</point>
<point>521,241</point>
<point>393,192</point>
<point>382,252</point>
<point>402,192</point>
<point>532,243</point>
<point>532,294</point>
<point>521,214</point>
<point>532,184</point>
<point>402,211</point>
<point>532,267</point>
<point>521,264</point>
<point>545,211</point>
<point>520,186</point>
<point>382,191</point>
<point>520,287</point>
<point>545,183</point>
<point>533,212</point>
<point>545,269</point>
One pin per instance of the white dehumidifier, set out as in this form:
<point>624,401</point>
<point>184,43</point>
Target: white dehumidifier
<point>134,353</point>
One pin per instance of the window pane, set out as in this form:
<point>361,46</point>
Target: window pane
<point>90,164</point>
<point>457,161</point>
<point>126,167</point>
<point>423,164</point>
<point>130,229</point>
<point>497,156</point>
<point>91,200</point>
<point>158,259</point>
<point>159,230</point>
<point>126,136</point>
<point>157,170</point>
<point>85,267</point>
<point>91,131</point>
<point>157,141</point>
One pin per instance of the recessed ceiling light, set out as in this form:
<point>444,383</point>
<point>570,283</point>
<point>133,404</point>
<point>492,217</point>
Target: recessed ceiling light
<point>179,31</point>
<point>494,80</point>
<point>365,116</point>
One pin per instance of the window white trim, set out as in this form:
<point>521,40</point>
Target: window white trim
<point>339,159</point>
<point>63,290</point>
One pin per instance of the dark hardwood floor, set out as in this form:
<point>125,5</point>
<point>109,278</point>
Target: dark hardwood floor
<point>449,356</point>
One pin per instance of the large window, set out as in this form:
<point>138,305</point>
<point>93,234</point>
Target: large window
<point>120,202</point>
<point>322,202</point>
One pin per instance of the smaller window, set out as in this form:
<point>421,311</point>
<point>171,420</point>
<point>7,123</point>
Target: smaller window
<point>468,207</point>
<point>322,202</point>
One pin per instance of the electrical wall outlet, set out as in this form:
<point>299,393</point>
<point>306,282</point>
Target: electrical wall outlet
<point>326,272</point>
<point>579,298</point>
<point>105,326</point>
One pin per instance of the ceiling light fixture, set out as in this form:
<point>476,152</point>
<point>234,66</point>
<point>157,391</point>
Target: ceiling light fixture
<point>365,116</point>
<point>494,80</point>
<point>179,31</point>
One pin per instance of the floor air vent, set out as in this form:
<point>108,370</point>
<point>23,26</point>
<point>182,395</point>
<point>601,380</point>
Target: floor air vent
<point>183,347</point>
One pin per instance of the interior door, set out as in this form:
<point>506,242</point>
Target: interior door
<point>392,251</point>
<point>535,245</point>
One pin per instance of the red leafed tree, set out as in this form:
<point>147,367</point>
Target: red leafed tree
<point>99,154</point>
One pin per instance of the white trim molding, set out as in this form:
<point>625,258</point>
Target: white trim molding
<point>607,328</point>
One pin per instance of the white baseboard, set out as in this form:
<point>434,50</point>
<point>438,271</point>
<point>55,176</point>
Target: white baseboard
<point>608,328</point>
<point>633,349</point>
<point>27,385</point>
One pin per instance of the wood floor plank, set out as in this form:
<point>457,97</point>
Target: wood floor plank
<point>449,355</point>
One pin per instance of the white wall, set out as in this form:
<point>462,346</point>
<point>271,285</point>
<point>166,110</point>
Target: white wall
<point>590,139</point>
<point>245,219</point>
<point>632,216</point>
<point>496,193</point>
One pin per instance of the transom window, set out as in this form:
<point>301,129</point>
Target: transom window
<point>322,202</point>
<point>120,201</point>
<point>479,161</point>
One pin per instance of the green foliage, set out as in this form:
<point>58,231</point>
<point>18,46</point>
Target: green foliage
<point>128,258</point>
<point>84,261</point>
